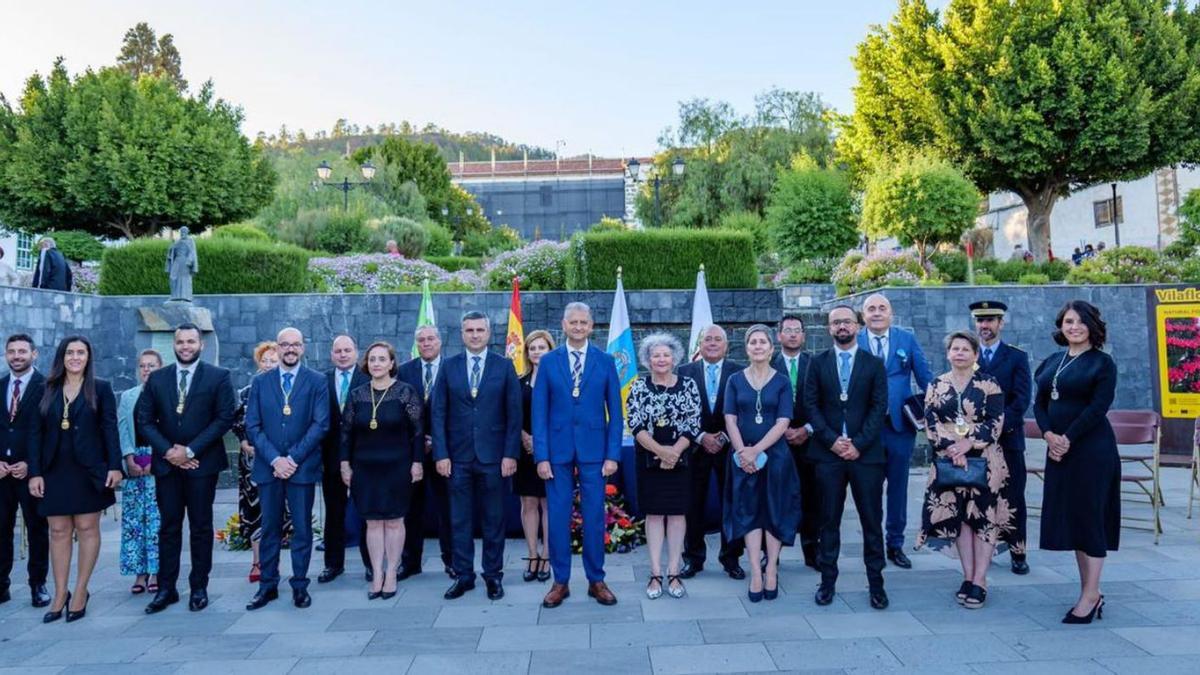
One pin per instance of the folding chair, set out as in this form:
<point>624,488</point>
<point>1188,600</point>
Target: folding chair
<point>1145,433</point>
<point>1033,432</point>
<point>1148,461</point>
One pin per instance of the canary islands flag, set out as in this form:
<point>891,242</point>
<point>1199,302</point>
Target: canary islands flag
<point>425,315</point>
<point>514,340</point>
<point>620,342</point>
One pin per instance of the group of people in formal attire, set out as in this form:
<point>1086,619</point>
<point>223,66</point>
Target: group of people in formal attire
<point>785,435</point>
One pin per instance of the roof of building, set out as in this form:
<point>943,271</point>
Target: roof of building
<point>585,166</point>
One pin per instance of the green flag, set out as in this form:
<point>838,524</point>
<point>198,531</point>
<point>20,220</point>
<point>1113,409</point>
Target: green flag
<point>425,315</point>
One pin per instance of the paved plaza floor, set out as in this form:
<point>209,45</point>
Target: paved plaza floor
<point>1151,621</point>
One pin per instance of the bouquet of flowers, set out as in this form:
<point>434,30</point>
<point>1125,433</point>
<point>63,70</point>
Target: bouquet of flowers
<point>623,533</point>
<point>231,536</point>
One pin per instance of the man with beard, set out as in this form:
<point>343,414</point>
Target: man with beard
<point>287,415</point>
<point>22,390</point>
<point>344,377</point>
<point>182,414</point>
<point>846,397</point>
<point>1010,367</point>
<point>792,363</point>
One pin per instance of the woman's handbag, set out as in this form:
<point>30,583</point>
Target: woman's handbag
<point>949,476</point>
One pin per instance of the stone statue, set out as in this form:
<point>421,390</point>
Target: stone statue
<point>182,263</point>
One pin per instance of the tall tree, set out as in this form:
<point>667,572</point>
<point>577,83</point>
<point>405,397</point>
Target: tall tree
<point>113,156</point>
<point>1038,97</point>
<point>143,53</point>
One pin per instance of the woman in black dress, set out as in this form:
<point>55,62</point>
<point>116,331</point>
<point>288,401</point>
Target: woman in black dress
<point>1081,503</point>
<point>526,483</point>
<point>74,464</point>
<point>760,501</point>
<point>382,445</point>
<point>266,357</point>
<point>664,418</point>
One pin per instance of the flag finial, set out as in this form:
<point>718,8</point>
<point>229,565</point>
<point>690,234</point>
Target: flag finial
<point>701,267</point>
<point>618,271</point>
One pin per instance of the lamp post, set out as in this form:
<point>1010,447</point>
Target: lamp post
<point>1116,225</point>
<point>324,171</point>
<point>633,166</point>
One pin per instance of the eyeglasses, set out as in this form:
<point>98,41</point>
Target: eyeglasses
<point>291,345</point>
<point>842,322</point>
<point>791,331</point>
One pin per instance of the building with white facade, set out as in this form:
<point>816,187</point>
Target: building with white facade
<point>18,251</point>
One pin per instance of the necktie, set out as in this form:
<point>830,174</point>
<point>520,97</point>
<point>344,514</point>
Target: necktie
<point>879,346</point>
<point>577,369</point>
<point>713,384</point>
<point>987,356</point>
<point>475,375</point>
<point>12,409</point>
<point>844,377</point>
<point>792,376</point>
<point>344,390</point>
<point>183,378</point>
<point>287,384</point>
<point>428,378</point>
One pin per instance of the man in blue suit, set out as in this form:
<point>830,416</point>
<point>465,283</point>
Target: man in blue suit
<point>904,361</point>
<point>577,421</point>
<point>1010,367</point>
<point>287,415</point>
<point>476,428</point>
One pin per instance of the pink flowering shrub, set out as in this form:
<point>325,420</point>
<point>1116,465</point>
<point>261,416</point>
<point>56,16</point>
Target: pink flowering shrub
<point>538,265</point>
<point>381,273</point>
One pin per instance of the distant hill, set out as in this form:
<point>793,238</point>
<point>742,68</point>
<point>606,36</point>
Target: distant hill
<point>473,146</point>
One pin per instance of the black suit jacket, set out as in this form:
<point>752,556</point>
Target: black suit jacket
<point>799,411</point>
<point>711,421</point>
<point>14,434</point>
<point>94,436</point>
<point>1010,367</point>
<point>208,413</point>
<point>413,372</point>
<point>486,427</point>
<point>862,412</point>
<point>56,276</point>
<point>331,445</point>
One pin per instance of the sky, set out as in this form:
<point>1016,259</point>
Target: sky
<point>601,77</point>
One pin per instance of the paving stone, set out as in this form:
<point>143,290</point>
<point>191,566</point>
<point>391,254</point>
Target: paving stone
<point>1186,612</point>
<point>423,640</point>
<point>729,658</point>
<point>295,621</point>
<point>503,663</point>
<point>1164,642</point>
<point>107,650</point>
<point>590,612</point>
<point>832,654</point>
<point>624,660</point>
<point>615,635</point>
<point>255,667</point>
<point>670,609</point>
<point>203,648</point>
<point>756,629</point>
<point>989,619</point>
<point>457,616</point>
<point>534,638</point>
<point>941,650</point>
<point>301,645</point>
<point>1159,665</point>
<point>123,669</point>
<point>1069,644</point>
<point>375,619</point>
<point>186,624</point>
<point>13,652</point>
<point>337,665</point>
<point>859,625</point>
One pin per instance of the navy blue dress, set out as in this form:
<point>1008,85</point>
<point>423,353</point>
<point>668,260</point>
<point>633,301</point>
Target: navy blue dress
<point>769,498</point>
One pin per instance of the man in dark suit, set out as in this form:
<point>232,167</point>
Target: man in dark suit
<point>711,452</point>
<point>904,362</point>
<point>792,362</point>
<point>182,414</point>
<point>287,415</point>
<point>22,389</point>
<point>1010,367</point>
<point>344,377</point>
<point>52,271</point>
<point>476,416</point>
<point>846,397</point>
<point>578,421</point>
<point>423,374</point>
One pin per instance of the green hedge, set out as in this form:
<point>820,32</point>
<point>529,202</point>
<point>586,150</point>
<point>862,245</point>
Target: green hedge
<point>240,231</point>
<point>78,245</point>
<point>454,263</point>
<point>227,266</point>
<point>666,258</point>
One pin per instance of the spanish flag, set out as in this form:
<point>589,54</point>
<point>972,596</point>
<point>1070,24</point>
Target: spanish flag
<point>514,341</point>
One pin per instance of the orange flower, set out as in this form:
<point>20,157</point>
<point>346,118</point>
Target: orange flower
<point>607,538</point>
<point>610,490</point>
<point>624,522</point>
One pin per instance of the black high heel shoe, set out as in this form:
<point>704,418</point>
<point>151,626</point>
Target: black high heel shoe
<point>52,616</point>
<point>374,595</point>
<point>75,616</point>
<point>1096,613</point>
<point>544,570</point>
<point>531,568</point>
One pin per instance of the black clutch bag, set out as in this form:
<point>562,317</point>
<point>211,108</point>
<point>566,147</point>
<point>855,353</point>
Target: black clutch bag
<point>948,477</point>
<point>913,410</point>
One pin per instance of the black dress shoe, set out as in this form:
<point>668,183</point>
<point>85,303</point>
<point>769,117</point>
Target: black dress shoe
<point>327,575</point>
<point>5,596</point>
<point>896,555</point>
<point>688,570</point>
<point>406,572</point>
<point>198,601</point>
<point>261,599</point>
<point>163,599</point>
<point>879,599</point>
<point>494,588</point>
<point>1019,566</point>
<point>824,595</point>
<point>736,572</point>
<point>458,588</point>
<point>39,596</point>
<point>301,598</point>
<point>72,615</point>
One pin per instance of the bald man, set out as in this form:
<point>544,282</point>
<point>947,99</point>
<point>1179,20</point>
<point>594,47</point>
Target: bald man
<point>287,415</point>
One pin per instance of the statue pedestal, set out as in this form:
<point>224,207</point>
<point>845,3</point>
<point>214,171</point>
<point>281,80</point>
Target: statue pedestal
<point>158,323</point>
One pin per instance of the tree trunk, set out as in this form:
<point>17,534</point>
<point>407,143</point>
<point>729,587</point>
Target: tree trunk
<point>1039,203</point>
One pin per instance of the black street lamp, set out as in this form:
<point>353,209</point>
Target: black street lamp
<point>633,166</point>
<point>1113,213</point>
<point>324,171</point>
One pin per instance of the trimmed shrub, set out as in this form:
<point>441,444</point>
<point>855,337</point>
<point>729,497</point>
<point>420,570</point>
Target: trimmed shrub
<point>857,272</point>
<point>343,233</point>
<point>491,242</point>
<point>815,271</point>
<point>607,224</point>
<point>748,221</point>
<point>1005,271</point>
<point>538,266</point>
<point>1057,270</point>
<point>951,264</point>
<point>244,231</point>
<point>810,213</point>
<point>77,245</point>
<point>664,258</point>
<point>227,266</point>
<point>441,240</point>
<point>411,237</point>
<point>454,263</point>
<point>1034,279</point>
<point>1125,265</point>
<point>382,273</point>
<point>985,279</point>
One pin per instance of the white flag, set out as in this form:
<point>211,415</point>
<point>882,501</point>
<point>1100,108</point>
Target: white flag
<point>701,315</point>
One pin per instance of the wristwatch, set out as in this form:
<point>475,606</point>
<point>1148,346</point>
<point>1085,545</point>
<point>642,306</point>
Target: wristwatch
<point>190,454</point>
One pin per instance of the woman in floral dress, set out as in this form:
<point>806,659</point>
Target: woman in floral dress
<point>139,509</point>
<point>964,415</point>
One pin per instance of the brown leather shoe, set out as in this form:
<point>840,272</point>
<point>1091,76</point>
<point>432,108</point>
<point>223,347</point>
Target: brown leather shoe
<point>558,593</point>
<point>599,590</point>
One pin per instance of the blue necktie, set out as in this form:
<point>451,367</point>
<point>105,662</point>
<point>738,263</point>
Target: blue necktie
<point>475,375</point>
<point>287,384</point>
<point>987,356</point>
<point>878,347</point>
<point>428,379</point>
<point>577,370</point>
<point>344,391</point>
<point>844,376</point>
<point>712,386</point>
